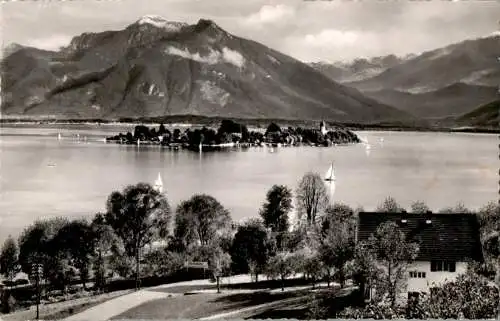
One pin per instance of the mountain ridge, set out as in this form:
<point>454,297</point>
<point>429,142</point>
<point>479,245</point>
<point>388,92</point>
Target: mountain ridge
<point>486,115</point>
<point>200,69</point>
<point>443,82</point>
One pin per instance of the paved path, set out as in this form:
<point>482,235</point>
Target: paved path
<point>113,307</point>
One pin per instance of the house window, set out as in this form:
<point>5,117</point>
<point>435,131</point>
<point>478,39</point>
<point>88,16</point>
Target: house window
<point>417,275</point>
<point>446,266</point>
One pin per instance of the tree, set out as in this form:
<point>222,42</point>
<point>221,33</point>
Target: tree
<point>339,213</point>
<point>337,246</point>
<point>491,245</point>
<point>218,263</point>
<point>312,196</point>
<point>251,248</point>
<point>162,130</point>
<point>394,253</point>
<point>34,243</point>
<point>218,260</point>
<point>138,215</point>
<point>161,262</point>
<point>275,210</point>
<point>459,208</point>
<point>104,242</point>
<point>419,207</point>
<point>74,241</point>
<point>489,217</point>
<point>273,128</point>
<point>200,219</point>
<point>390,205</point>
<point>9,259</point>
<point>308,261</point>
<point>280,266</point>
<point>363,268</point>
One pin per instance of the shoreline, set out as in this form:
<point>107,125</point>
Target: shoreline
<point>354,127</point>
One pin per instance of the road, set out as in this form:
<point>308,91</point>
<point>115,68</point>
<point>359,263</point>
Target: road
<point>113,307</point>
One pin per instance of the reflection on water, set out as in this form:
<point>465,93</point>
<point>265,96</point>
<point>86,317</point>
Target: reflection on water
<point>439,168</point>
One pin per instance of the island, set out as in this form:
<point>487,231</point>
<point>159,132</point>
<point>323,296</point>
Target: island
<point>233,134</point>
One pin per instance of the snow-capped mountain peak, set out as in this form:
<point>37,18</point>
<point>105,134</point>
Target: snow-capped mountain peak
<point>160,22</point>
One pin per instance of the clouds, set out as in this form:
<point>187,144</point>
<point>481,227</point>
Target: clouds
<point>307,30</point>
<point>270,14</point>
<point>54,42</point>
<point>332,38</point>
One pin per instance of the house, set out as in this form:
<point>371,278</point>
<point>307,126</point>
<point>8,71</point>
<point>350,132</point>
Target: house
<point>446,241</point>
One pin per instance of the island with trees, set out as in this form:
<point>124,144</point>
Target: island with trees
<point>231,134</point>
<point>140,240</point>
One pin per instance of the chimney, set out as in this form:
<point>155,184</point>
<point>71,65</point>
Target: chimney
<point>428,218</point>
<point>404,217</point>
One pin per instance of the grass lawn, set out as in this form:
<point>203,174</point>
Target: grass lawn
<point>64,309</point>
<point>202,305</point>
<point>330,301</point>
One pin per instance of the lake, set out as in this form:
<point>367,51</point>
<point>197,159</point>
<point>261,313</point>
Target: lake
<point>43,177</point>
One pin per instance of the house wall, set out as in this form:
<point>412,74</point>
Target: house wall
<point>423,284</point>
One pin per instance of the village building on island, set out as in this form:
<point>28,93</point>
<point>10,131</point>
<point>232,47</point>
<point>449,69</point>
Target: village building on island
<point>447,242</point>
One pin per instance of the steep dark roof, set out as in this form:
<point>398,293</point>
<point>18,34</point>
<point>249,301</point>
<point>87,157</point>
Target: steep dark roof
<point>453,237</point>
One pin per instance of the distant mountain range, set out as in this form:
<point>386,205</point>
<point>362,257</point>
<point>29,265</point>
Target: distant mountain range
<point>358,69</point>
<point>157,68</point>
<point>446,82</point>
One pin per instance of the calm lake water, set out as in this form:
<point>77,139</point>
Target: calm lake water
<point>44,177</point>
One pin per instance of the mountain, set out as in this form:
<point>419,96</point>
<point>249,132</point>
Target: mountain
<point>157,68</point>
<point>453,100</point>
<point>357,69</point>
<point>483,116</point>
<point>446,82</point>
<point>471,61</point>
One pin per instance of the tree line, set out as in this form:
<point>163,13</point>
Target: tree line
<point>140,235</point>
<point>232,132</point>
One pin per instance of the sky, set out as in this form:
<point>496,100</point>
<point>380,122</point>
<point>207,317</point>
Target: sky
<point>309,30</point>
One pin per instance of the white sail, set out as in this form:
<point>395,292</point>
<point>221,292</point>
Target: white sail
<point>159,184</point>
<point>330,174</point>
<point>59,136</point>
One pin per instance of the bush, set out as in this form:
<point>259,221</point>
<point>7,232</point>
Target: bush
<point>469,297</point>
<point>374,311</point>
<point>8,303</point>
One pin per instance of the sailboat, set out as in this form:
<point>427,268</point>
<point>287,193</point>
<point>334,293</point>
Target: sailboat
<point>330,174</point>
<point>158,184</point>
<point>59,137</point>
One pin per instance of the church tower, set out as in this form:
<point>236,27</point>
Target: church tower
<point>322,128</point>
<point>158,185</point>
